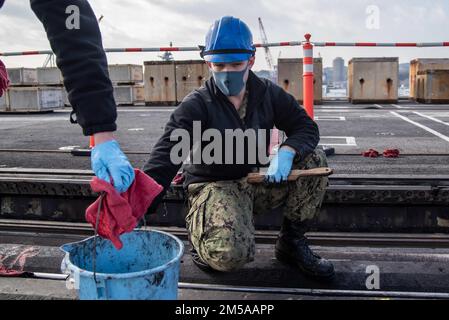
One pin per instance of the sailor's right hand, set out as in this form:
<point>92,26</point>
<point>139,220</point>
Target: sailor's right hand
<point>281,165</point>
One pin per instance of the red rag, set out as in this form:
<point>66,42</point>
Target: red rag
<point>4,81</point>
<point>120,213</point>
<point>371,153</point>
<point>4,272</point>
<point>391,153</point>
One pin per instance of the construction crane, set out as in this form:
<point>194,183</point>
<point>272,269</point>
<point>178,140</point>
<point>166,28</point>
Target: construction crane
<point>268,56</point>
<point>49,61</point>
<point>264,40</point>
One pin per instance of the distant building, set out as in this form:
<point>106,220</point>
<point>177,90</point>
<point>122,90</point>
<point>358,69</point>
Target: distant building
<point>404,72</point>
<point>328,75</point>
<point>338,70</point>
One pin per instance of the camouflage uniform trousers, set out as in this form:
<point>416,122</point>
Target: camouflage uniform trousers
<point>220,217</point>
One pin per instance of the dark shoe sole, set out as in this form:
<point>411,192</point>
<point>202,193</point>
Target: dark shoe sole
<point>202,265</point>
<point>287,259</point>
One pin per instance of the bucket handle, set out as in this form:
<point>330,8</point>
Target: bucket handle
<point>98,284</point>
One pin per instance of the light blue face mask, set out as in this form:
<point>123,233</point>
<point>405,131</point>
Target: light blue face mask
<point>230,82</point>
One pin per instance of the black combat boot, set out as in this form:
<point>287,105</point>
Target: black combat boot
<point>292,248</point>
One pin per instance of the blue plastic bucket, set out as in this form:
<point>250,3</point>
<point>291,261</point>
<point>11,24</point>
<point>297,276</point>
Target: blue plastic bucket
<point>146,268</point>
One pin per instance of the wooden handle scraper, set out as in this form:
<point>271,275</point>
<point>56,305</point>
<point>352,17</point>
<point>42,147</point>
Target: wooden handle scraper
<point>255,178</point>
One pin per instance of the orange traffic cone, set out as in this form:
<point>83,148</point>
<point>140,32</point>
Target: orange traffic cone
<point>84,152</point>
<point>91,142</point>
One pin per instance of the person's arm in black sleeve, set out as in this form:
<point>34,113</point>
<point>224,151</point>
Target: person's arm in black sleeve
<point>160,166</point>
<point>83,64</point>
<point>82,61</point>
<point>302,132</point>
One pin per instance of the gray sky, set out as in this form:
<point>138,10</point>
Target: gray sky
<point>148,23</point>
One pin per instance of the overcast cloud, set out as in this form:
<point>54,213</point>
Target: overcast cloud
<point>148,23</point>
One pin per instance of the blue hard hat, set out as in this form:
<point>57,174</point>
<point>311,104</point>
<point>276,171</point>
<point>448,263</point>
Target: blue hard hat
<point>229,40</point>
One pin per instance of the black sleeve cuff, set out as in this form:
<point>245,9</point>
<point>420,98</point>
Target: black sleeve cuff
<point>99,128</point>
<point>299,151</point>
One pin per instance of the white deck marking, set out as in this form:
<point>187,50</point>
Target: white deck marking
<point>31,119</point>
<point>439,135</point>
<point>350,141</point>
<point>334,109</point>
<point>374,116</point>
<point>431,118</point>
<point>399,107</point>
<point>341,110</point>
<point>426,106</point>
<point>438,114</point>
<point>379,106</point>
<point>330,118</point>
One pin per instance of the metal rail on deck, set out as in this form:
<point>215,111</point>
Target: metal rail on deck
<point>351,203</point>
<point>343,188</point>
<point>316,292</point>
<point>15,229</point>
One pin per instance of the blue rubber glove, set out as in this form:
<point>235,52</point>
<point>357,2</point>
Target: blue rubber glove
<point>280,166</point>
<point>109,161</point>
